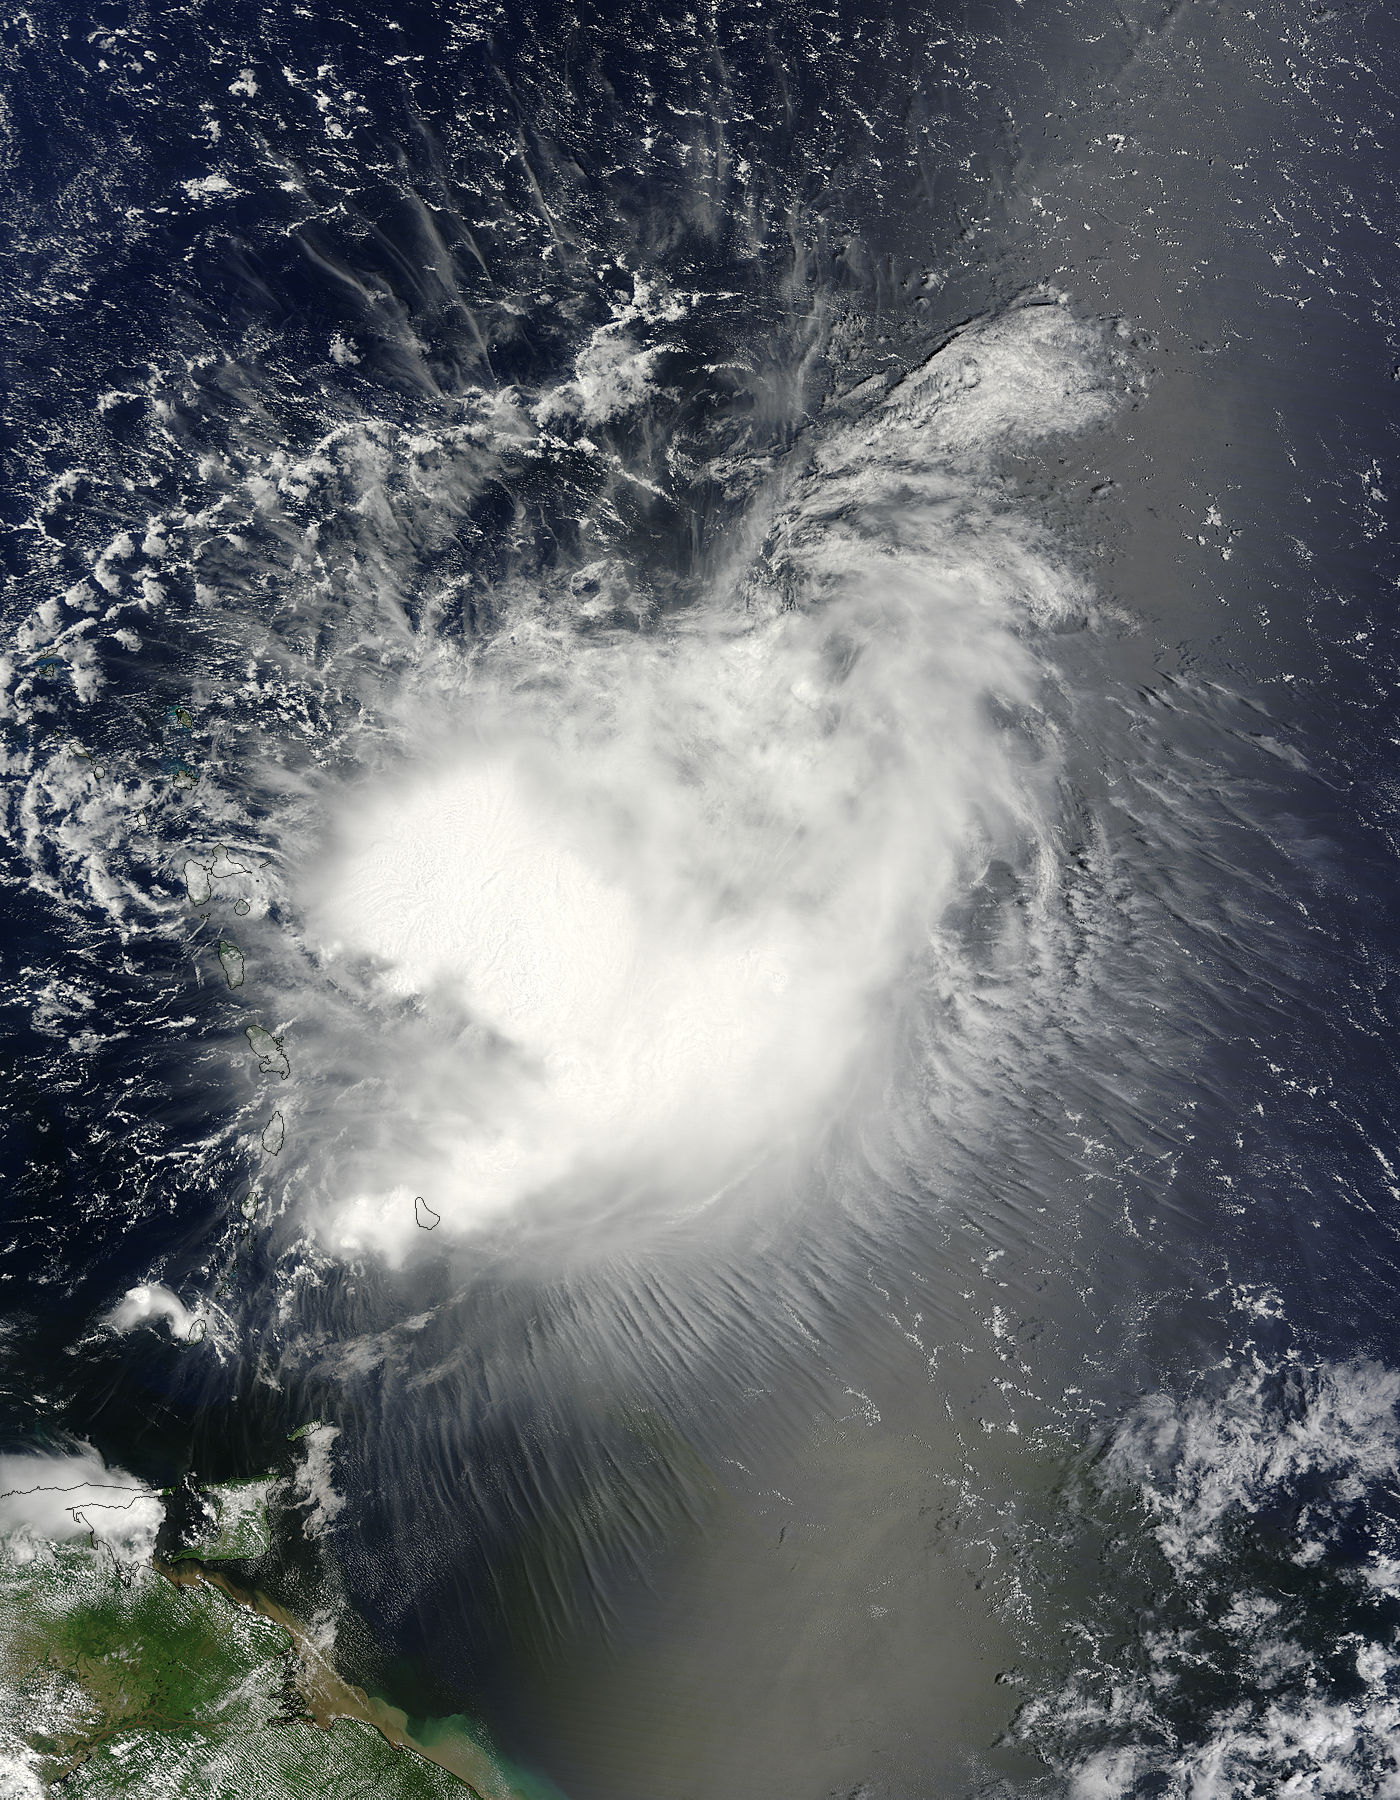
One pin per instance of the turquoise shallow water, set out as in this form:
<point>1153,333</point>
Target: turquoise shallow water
<point>878,526</point>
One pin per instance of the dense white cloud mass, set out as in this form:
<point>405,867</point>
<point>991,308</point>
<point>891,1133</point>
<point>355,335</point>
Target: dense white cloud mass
<point>151,1303</point>
<point>641,896</point>
<point>59,1498</point>
<point>19,1779</point>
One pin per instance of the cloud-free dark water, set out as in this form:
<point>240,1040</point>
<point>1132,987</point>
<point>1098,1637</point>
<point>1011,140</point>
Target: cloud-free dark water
<point>908,496</point>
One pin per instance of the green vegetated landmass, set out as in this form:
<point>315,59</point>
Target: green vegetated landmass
<point>118,1681</point>
<point>239,1529</point>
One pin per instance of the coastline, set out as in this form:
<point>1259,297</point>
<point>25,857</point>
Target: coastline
<point>328,1697</point>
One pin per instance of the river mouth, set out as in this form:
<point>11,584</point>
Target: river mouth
<point>699,826</point>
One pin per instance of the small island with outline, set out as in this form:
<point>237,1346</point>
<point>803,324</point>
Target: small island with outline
<point>269,1050</point>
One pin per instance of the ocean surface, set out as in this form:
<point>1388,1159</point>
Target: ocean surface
<point>701,792</point>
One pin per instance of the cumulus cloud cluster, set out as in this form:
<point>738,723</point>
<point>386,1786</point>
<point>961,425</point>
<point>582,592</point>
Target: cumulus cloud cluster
<point>151,1303</point>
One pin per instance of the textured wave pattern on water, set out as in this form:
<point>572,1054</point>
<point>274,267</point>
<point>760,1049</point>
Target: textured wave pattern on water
<point>527,898</point>
<point>377,354</point>
<point>667,522</point>
<point>675,860</point>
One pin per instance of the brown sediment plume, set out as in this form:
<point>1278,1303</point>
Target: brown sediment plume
<point>328,1697</point>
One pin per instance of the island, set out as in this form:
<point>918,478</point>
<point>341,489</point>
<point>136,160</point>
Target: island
<point>269,1050</point>
<point>231,961</point>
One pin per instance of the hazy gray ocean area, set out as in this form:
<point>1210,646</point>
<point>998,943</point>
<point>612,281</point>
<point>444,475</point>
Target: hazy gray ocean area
<point>699,770</point>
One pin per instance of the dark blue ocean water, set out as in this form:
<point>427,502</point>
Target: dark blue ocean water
<point>1034,1429</point>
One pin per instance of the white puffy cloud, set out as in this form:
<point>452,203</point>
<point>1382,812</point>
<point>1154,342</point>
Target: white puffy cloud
<point>148,1304</point>
<point>60,1498</point>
